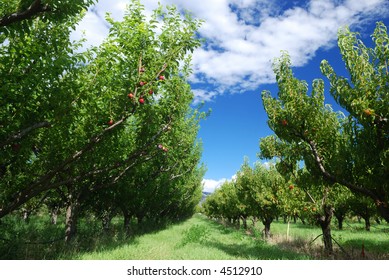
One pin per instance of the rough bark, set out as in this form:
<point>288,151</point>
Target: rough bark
<point>325,223</point>
<point>33,10</point>
<point>71,219</point>
<point>267,222</point>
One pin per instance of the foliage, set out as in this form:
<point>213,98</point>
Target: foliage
<point>88,130</point>
<point>351,151</point>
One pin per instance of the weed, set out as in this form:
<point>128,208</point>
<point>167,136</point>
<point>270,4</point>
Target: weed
<point>194,234</point>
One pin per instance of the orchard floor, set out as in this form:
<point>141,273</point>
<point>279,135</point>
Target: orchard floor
<point>197,238</point>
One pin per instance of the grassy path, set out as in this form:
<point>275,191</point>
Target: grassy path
<point>195,239</point>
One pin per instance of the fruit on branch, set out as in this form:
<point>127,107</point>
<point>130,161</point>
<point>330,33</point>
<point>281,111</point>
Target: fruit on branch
<point>291,187</point>
<point>141,100</point>
<point>367,112</point>
<point>161,78</point>
<point>162,147</point>
<point>284,122</point>
<point>151,91</point>
<point>142,83</point>
<point>110,122</point>
<point>130,95</point>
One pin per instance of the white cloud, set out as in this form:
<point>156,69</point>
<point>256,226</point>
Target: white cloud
<point>210,185</point>
<point>201,95</point>
<point>244,36</point>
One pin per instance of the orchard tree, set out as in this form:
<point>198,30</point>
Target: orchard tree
<point>76,125</point>
<point>80,122</point>
<point>351,151</point>
<point>260,189</point>
<point>362,207</point>
<point>225,204</point>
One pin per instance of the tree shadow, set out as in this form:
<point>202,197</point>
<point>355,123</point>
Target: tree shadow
<point>258,250</point>
<point>40,240</point>
<point>367,249</point>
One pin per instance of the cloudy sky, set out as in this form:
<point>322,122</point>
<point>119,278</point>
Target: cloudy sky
<point>242,38</point>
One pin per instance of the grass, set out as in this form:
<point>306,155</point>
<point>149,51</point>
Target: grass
<point>197,238</point>
<point>347,242</point>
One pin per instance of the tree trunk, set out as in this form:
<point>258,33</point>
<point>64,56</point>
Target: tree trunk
<point>267,222</point>
<point>244,222</point>
<point>106,220</point>
<point>367,223</point>
<point>325,224</point>
<point>54,215</point>
<point>127,223</point>
<point>383,210</point>
<point>71,219</point>
<point>340,219</point>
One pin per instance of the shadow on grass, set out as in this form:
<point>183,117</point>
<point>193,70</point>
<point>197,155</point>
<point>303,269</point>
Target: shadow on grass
<point>247,247</point>
<point>39,239</point>
<point>256,250</point>
<point>367,249</point>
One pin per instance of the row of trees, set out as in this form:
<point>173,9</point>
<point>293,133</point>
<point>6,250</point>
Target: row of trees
<point>109,129</point>
<point>262,193</point>
<point>338,162</point>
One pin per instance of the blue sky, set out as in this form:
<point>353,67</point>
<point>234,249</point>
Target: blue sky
<point>234,65</point>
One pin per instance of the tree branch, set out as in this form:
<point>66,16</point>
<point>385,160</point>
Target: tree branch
<point>333,179</point>
<point>24,132</point>
<point>35,8</point>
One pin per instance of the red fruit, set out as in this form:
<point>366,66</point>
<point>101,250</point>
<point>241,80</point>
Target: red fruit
<point>291,187</point>
<point>367,112</point>
<point>161,78</point>
<point>141,100</point>
<point>284,122</point>
<point>142,83</point>
<point>131,95</point>
<point>151,92</point>
<point>142,69</point>
<point>110,122</point>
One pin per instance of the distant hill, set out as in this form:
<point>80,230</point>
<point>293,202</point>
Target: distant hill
<point>205,194</point>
